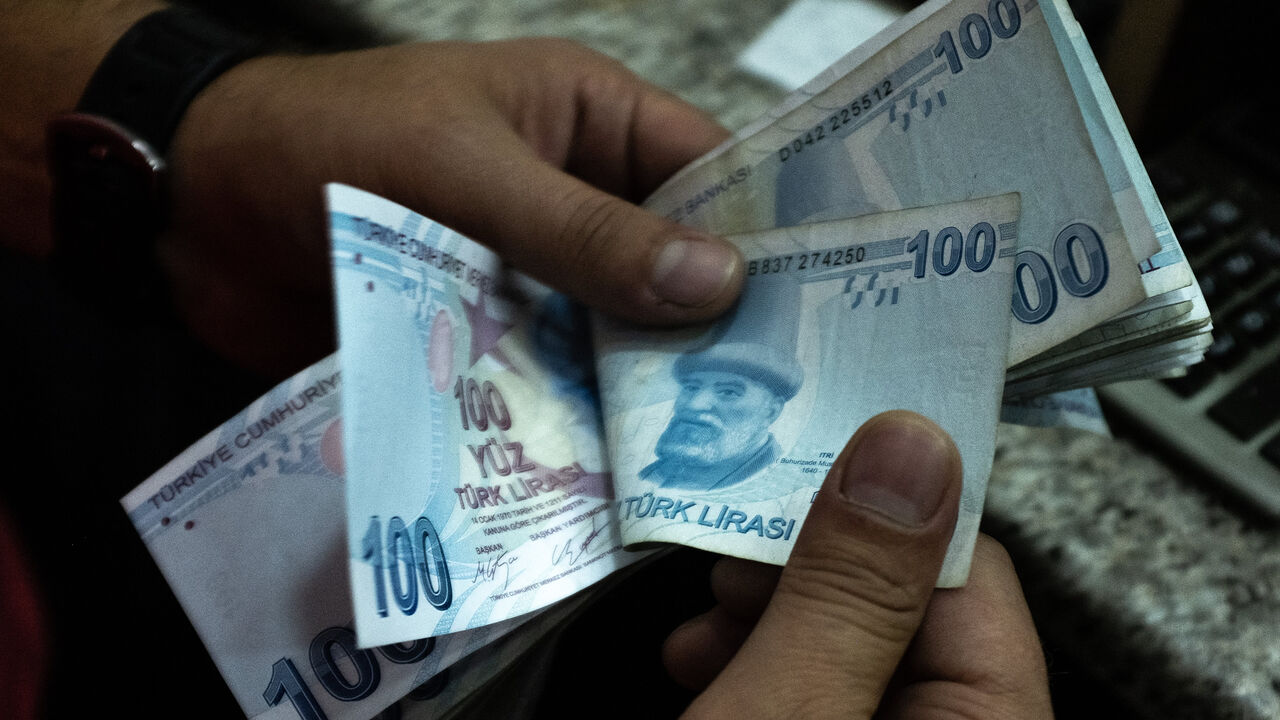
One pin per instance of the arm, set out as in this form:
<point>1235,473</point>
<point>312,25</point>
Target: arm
<point>50,50</point>
<point>536,148</point>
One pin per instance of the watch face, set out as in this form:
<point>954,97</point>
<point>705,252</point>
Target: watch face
<point>105,178</point>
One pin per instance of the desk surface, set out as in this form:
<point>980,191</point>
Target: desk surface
<point>1165,593</point>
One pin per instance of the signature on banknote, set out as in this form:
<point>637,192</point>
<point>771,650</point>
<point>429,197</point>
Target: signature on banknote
<point>487,569</point>
<point>573,550</point>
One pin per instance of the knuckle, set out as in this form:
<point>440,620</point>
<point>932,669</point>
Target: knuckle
<point>563,55</point>
<point>589,233</point>
<point>853,589</point>
<point>608,79</point>
<point>989,551</point>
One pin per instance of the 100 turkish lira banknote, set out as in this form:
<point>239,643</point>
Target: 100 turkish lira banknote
<point>480,486</point>
<point>246,526</point>
<point>720,436</point>
<point>959,99</point>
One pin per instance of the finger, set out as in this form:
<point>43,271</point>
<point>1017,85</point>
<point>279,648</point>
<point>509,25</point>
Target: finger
<point>676,133</point>
<point>631,136</point>
<point>608,253</point>
<point>698,650</point>
<point>498,177</point>
<point>977,654</point>
<point>587,113</point>
<point>544,175</point>
<point>857,582</point>
<point>476,144</point>
<point>24,653</point>
<point>617,137</point>
<point>742,587</point>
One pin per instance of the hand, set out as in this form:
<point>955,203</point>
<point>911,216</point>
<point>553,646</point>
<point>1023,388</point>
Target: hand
<point>532,147</point>
<point>852,626</point>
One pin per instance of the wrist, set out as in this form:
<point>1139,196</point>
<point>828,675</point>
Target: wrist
<point>109,158</point>
<point>51,50</point>
<point>256,145</point>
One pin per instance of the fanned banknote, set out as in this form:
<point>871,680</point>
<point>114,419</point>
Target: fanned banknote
<point>247,527</point>
<point>959,99</point>
<point>721,435</point>
<point>479,487</point>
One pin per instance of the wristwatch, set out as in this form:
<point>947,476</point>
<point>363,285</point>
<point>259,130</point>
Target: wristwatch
<point>107,159</point>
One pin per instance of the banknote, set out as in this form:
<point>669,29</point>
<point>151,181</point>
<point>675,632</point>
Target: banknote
<point>720,435</point>
<point>1077,408</point>
<point>1175,353</point>
<point>247,527</point>
<point>479,488</point>
<point>958,99</point>
<point>1166,269</point>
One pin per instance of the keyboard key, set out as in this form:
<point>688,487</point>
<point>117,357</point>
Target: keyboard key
<point>1226,351</point>
<point>1245,411</point>
<point>1254,326</point>
<point>1214,290</point>
<point>1222,215</point>
<point>1266,243</point>
<point>1239,267</point>
<point>1194,381</point>
<point>1171,185</point>
<point>1193,236</point>
<point>1271,450</point>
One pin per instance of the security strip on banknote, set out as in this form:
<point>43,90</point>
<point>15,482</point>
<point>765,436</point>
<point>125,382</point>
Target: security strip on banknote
<point>479,489</point>
<point>721,435</point>
<point>247,527</point>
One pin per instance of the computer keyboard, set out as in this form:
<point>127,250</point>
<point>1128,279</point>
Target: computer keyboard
<point>1224,415</point>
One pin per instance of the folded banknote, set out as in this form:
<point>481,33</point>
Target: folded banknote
<point>479,482</point>
<point>479,485</point>
<point>962,99</point>
<point>246,526</point>
<point>721,435</point>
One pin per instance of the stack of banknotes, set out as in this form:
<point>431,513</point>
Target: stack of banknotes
<point>495,449</point>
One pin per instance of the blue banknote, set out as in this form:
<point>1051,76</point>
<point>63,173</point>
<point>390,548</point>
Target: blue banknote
<point>1165,270</point>
<point>960,99</point>
<point>247,527</point>
<point>720,435</point>
<point>479,488</point>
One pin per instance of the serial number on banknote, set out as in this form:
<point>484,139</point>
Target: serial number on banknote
<point>975,37</point>
<point>844,116</point>
<point>808,261</point>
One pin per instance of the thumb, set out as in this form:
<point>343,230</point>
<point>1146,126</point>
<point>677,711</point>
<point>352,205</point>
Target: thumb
<point>613,255</point>
<point>857,583</point>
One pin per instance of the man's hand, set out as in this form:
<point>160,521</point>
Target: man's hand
<point>852,627</point>
<point>532,147</point>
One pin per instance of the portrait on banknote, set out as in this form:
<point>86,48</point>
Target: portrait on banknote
<point>729,395</point>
